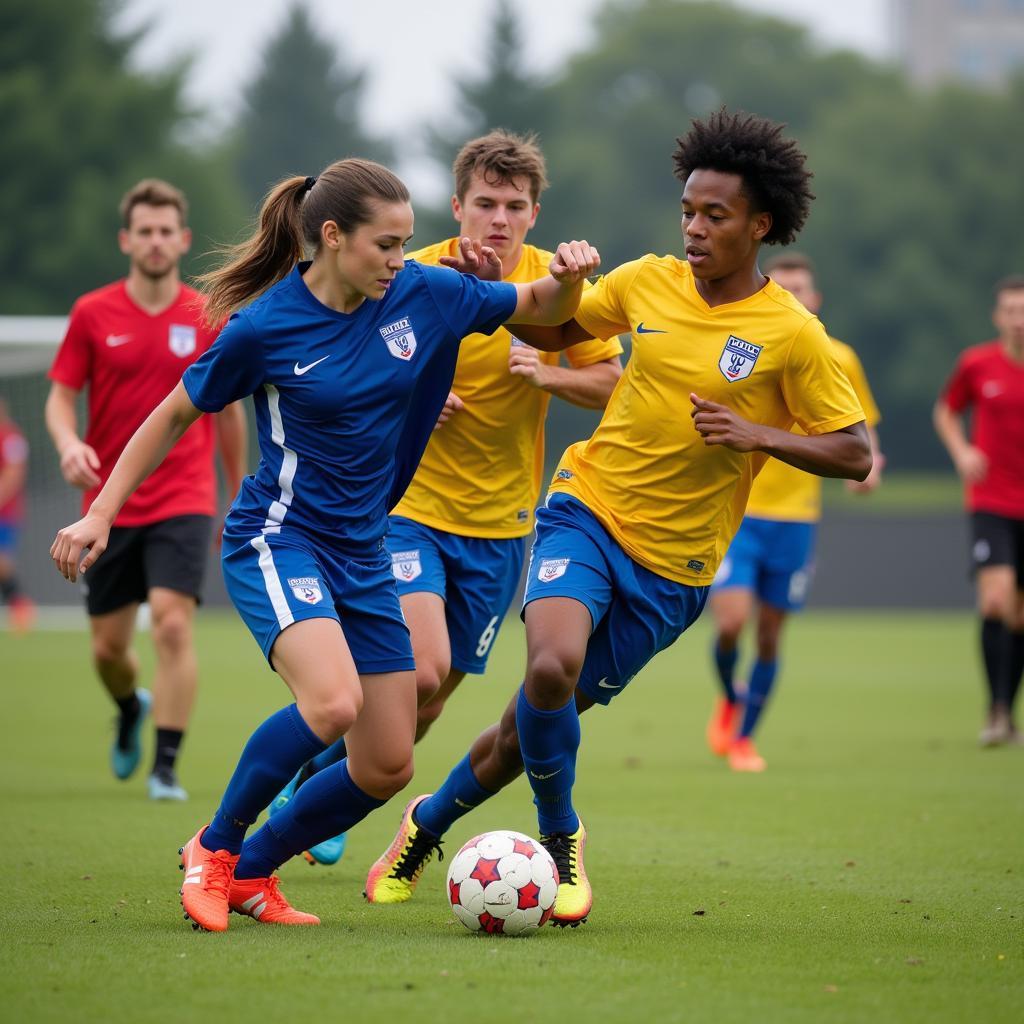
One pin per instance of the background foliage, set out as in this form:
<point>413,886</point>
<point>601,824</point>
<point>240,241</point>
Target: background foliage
<point>919,198</point>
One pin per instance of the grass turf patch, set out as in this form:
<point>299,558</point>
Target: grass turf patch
<point>873,872</point>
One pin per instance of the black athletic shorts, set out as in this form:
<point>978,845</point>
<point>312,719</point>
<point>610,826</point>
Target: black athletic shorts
<point>997,540</point>
<point>171,553</point>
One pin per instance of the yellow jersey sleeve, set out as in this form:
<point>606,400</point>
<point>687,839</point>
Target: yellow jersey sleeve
<point>786,494</point>
<point>482,471</point>
<point>854,370</point>
<point>817,392</point>
<point>602,309</point>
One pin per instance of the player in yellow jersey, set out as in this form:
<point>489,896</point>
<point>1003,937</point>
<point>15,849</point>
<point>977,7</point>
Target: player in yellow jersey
<point>771,557</point>
<point>640,516</point>
<point>458,537</point>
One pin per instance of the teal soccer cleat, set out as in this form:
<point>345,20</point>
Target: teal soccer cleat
<point>126,749</point>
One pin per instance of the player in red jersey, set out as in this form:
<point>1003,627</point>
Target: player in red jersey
<point>129,343</point>
<point>989,381</point>
<point>13,472</point>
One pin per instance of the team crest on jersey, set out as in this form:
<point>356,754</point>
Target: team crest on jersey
<point>181,340</point>
<point>738,358</point>
<point>551,568</point>
<point>306,588</point>
<point>400,339</point>
<point>406,565</point>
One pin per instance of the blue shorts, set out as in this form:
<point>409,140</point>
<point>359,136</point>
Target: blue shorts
<point>275,579</point>
<point>636,613</point>
<point>774,559</point>
<point>476,577</point>
<point>8,537</point>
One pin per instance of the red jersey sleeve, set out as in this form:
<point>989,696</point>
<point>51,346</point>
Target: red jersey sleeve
<point>73,363</point>
<point>959,391</point>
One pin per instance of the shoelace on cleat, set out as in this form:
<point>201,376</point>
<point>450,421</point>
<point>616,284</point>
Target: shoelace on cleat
<point>416,854</point>
<point>563,853</point>
<point>219,873</point>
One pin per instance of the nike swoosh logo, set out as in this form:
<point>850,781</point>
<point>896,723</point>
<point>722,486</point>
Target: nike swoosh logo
<point>640,329</point>
<point>113,340</point>
<point>459,803</point>
<point>603,681</point>
<point>550,775</point>
<point>300,370</point>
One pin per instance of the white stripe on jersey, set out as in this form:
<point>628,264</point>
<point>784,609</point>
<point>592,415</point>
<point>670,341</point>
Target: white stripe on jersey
<point>272,582</point>
<point>289,460</point>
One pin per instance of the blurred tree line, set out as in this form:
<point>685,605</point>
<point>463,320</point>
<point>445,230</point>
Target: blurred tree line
<point>919,193</point>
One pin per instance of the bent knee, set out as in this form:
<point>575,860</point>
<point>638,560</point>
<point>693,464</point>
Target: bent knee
<point>336,715</point>
<point>429,677</point>
<point>172,631</point>
<point>384,778</point>
<point>553,674</point>
<point>108,651</point>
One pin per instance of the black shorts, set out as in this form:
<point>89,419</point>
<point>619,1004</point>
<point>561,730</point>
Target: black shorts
<point>171,553</point>
<point>997,540</point>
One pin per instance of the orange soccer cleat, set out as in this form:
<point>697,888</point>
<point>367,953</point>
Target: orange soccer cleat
<point>208,877</point>
<point>743,756</point>
<point>262,900</point>
<point>722,726</point>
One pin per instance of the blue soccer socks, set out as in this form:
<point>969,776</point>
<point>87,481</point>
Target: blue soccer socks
<point>458,795</point>
<point>549,741</point>
<point>759,688</point>
<point>328,804</point>
<point>725,663</point>
<point>274,753</point>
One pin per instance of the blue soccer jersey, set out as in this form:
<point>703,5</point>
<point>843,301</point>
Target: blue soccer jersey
<point>345,403</point>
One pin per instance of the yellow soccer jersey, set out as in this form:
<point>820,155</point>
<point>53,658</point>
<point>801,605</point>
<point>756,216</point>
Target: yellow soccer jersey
<point>785,493</point>
<point>482,471</point>
<point>670,501</point>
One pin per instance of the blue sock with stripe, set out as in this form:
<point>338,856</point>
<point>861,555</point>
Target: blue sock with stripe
<point>762,679</point>
<point>274,753</point>
<point>549,741</point>
<point>725,663</point>
<point>458,795</point>
<point>327,805</point>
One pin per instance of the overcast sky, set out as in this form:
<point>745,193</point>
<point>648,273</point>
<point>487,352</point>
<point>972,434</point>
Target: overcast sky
<point>411,49</point>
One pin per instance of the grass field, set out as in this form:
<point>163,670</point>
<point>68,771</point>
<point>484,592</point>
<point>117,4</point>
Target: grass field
<point>874,873</point>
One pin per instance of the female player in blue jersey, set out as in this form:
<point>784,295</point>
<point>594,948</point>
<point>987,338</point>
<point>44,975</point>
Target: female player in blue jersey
<point>349,359</point>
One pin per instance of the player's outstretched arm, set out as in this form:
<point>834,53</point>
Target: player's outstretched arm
<point>552,300</point>
<point>589,387</point>
<point>970,462</point>
<point>143,453</point>
<point>844,453</point>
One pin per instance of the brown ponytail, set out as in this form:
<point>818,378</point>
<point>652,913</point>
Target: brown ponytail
<point>290,219</point>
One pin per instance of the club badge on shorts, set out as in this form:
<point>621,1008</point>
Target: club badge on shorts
<point>738,358</point>
<point>551,568</point>
<point>400,339</point>
<point>306,588</point>
<point>406,566</point>
<point>181,340</point>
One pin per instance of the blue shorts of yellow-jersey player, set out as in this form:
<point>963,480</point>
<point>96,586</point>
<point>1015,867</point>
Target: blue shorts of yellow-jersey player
<point>636,613</point>
<point>475,576</point>
<point>8,537</point>
<point>774,559</point>
<point>275,579</point>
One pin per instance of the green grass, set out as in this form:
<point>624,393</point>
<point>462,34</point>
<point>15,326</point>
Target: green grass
<point>872,874</point>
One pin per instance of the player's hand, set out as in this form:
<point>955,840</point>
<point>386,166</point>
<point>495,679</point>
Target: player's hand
<point>92,532</point>
<point>476,259</point>
<point>972,465</point>
<point>872,480</point>
<point>524,361</point>
<point>78,465</point>
<point>452,404</point>
<point>718,424</point>
<point>573,261</point>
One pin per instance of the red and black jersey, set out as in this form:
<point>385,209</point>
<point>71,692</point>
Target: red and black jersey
<point>131,360</point>
<point>991,385</point>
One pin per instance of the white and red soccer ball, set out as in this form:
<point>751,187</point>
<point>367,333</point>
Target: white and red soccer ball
<point>502,882</point>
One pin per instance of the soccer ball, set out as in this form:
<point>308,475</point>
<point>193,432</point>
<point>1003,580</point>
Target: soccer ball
<point>504,883</point>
